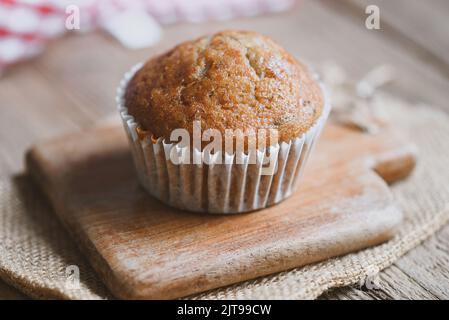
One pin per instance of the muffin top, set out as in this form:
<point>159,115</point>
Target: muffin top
<point>230,80</point>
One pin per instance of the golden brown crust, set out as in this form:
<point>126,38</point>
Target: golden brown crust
<point>231,80</point>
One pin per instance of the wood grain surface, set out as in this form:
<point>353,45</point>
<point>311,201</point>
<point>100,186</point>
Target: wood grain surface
<point>144,249</point>
<point>72,85</point>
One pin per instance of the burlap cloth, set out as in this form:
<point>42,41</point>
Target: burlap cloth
<point>35,250</point>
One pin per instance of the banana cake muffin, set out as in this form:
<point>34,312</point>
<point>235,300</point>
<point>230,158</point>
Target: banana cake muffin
<point>232,80</point>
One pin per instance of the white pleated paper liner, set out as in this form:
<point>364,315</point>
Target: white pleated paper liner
<point>228,187</point>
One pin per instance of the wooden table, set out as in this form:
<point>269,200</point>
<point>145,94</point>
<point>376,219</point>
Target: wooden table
<point>73,83</point>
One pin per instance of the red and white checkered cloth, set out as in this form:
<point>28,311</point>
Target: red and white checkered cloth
<point>27,25</point>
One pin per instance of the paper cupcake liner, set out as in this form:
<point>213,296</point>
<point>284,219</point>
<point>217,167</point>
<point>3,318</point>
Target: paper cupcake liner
<point>229,187</point>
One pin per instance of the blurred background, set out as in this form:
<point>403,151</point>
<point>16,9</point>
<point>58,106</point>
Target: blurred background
<point>61,61</point>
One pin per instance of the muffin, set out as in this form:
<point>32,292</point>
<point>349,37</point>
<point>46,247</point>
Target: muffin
<point>234,86</point>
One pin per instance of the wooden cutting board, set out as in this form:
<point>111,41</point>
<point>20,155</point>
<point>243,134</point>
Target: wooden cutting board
<point>144,249</point>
